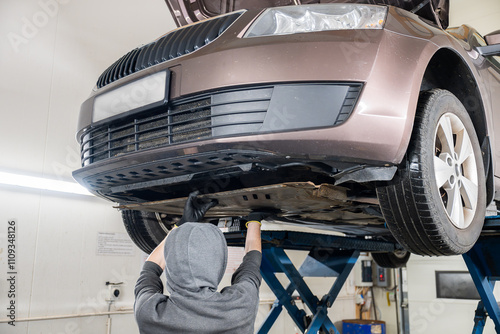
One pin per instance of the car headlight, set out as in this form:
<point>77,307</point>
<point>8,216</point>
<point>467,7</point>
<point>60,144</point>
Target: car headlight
<point>312,18</point>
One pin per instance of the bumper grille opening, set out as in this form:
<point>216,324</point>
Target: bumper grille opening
<point>192,125</point>
<point>183,121</point>
<point>152,132</point>
<point>227,113</point>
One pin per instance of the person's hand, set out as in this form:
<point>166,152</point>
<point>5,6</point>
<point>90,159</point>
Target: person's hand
<point>195,208</point>
<point>253,240</point>
<point>257,216</point>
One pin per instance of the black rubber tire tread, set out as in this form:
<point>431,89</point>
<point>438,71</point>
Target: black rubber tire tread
<point>144,229</point>
<point>411,206</point>
<point>391,260</point>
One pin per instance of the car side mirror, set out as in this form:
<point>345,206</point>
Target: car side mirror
<point>493,47</point>
<point>493,38</point>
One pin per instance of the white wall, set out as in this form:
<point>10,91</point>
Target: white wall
<point>386,310</point>
<point>431,315</point>
<point>50,63</point>
<point>58,271</point>
<point>483,15</point>
<point>51,54</point>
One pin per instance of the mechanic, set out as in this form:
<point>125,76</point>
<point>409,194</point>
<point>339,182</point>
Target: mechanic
<point>194,257</point>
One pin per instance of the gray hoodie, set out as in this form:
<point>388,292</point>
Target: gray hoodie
<point>196,259</point>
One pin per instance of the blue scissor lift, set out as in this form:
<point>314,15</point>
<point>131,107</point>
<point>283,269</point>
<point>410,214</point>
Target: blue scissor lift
<point>483,262</point>
<point>329,256</point>
<point>335,256</point>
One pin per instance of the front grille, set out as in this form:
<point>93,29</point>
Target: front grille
<point>207,116</point>
<point>175,44</point>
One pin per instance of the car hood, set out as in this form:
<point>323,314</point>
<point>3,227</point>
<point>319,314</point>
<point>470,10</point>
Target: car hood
<point>186,12</point>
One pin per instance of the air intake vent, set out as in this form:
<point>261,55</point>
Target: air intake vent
<point>175,44</point>
<point>203,117</point>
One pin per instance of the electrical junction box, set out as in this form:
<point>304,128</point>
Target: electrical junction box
<point>363,271</point>
<point>382,277</point>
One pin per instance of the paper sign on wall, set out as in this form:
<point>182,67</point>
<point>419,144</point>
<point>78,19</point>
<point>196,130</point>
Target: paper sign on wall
<point>234,258</point>
<point>114,244</point>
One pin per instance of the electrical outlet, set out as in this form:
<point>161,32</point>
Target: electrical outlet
<point>114,291</point>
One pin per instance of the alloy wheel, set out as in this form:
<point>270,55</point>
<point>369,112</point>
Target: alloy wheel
<point>455,170</point>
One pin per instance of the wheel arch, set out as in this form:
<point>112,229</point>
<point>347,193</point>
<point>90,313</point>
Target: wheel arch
<point>448,70</point>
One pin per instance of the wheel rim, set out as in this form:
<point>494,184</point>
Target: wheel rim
<point>455,170</point>
<point>163,221</point>
<point>400,253</point>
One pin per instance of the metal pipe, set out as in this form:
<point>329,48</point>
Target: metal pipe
<point>108,321</point>
<point>69,316</point>
<point>397,299</point>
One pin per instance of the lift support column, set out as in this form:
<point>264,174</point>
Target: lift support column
<point>483,261</point>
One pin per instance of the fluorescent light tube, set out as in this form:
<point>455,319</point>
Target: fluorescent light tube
<point>42,183</point>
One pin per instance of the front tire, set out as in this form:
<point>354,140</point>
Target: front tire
<point>146,229</point>
<point>436,203</point>
<point>396,259</point>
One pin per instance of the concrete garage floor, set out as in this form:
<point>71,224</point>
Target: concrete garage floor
<point>51,53</point>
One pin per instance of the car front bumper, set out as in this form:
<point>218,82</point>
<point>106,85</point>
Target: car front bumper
<point>294,128</point>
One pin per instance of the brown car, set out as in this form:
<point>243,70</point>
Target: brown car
<point>353,116</point>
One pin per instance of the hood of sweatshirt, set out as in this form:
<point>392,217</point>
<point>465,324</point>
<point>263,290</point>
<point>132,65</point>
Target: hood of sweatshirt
<point>196,258</point>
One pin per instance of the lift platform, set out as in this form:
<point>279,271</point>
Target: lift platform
<point>329,256</point>
<point>335,256</point>
<point>483,262</point>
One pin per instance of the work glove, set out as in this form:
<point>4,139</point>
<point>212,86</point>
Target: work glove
<point>257,215</point>
<point>195,208</point>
